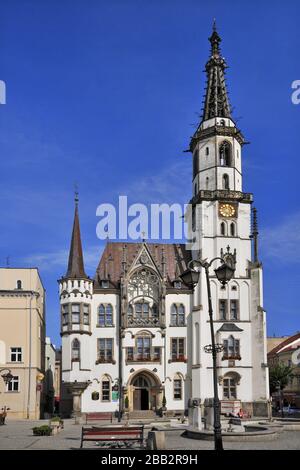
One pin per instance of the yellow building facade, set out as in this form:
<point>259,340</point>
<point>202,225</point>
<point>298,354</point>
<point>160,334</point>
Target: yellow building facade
<point>22,342</point>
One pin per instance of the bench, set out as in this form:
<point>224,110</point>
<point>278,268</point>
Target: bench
<point>99,417</point>
<point>114,436</point>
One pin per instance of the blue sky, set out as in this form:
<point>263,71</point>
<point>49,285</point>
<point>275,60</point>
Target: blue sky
<point>107,94</point>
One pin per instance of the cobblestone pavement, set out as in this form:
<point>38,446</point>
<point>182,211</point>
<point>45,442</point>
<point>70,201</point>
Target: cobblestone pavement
<point>18,435</point>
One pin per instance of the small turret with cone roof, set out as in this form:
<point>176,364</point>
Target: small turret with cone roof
<point>75,287</point>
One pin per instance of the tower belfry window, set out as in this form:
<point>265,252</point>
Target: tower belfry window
<point>222,228</point>
<point>225,182</point>
<point>225,153</point>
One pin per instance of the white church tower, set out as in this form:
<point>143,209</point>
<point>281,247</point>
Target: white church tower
<point>133,337</point>
<point>222,219</point>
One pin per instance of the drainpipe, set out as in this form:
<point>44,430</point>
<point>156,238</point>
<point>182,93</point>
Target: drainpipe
<point>29,359</point>
<point>120,382</point>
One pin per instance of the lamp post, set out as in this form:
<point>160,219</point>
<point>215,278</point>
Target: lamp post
<point>191,277</point>
<point>6,377</point>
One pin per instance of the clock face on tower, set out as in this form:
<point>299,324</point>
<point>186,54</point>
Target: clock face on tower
<point>227,210</point>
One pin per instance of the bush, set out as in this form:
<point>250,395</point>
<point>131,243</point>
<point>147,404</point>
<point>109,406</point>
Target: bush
<point>56,419</point>
<point>42,431</point>
<point>126,402</point>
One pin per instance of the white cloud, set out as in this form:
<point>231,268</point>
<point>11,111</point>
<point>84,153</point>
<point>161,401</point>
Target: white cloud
<point>172,184</point>
<point>283,240</point>
<point>58,260</point>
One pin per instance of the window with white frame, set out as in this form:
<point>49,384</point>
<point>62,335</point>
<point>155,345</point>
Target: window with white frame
<point>223,309</point>
<point>65,314</point>
<point>13,385</point>
<point>105,349</point>
<point>229,388</point>
<point>105,315</point>
<point>177,389</point>
<point>177,349</point>
<point>75,350</point>
<point>75,313</point>
<point>234,309</point>
<point>86,314</point>
<point>177,315</point>
<point>105,389</point>
<point>16,354</point>
<point>231,348</point>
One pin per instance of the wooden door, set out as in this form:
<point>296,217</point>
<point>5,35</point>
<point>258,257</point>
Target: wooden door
<point>137,399</point>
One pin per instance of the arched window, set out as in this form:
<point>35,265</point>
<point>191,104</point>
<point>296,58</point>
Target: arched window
<point>229,388</point>
<point>225,181</point>
<point>105,315</point>
<point>222,122</point>
<point>231,348</point>
<point>19,284</point>
<point>75,350</point>
<point>177,315</point>
<point>177,387</point>
<point>222,228</point>
<point>195,163</point>
<point>207,182</point>
<point>207,151</point>
<point>106,388</point>
<point>141,382</point>
<point>232,229</point>
<point>225,153</point>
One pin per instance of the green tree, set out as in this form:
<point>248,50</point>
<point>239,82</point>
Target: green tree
<point>279,376</point>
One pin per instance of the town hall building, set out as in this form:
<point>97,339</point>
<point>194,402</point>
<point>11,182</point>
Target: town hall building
<point>133,336</point>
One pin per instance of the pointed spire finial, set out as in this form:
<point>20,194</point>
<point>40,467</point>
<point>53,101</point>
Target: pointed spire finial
<point>76,264</point>
<point>76,194</point>
<point>215,41</point>
<point>214,25</point>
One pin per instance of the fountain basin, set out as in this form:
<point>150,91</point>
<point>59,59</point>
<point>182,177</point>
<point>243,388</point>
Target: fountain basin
<point>251,433</point>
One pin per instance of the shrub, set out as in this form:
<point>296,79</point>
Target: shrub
<point>42,431</point>
<point>126,402</point>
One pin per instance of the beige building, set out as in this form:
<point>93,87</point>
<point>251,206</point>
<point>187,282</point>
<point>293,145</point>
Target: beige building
<point>22,341</point>
<point>288,353</point>
<point>49,380</point>
<point>273,341</point>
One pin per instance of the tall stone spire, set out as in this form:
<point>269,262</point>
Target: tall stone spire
<point>216,102</point>
<point>75,264</point>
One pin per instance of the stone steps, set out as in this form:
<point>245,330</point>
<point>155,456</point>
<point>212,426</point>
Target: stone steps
<point>142,414</point>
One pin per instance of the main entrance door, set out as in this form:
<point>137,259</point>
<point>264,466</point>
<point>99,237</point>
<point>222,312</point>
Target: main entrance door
<point>141,393</point>
<point>141,399</point>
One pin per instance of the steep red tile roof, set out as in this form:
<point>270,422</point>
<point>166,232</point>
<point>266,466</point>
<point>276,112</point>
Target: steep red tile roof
<point>176,258</point>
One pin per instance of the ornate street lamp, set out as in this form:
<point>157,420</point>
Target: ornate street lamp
<point>6,377</point>
<point>190,277</point>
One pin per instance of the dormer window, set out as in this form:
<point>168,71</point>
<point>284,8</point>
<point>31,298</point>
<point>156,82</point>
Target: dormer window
<point>105,283</point>
<point>177,284</point>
